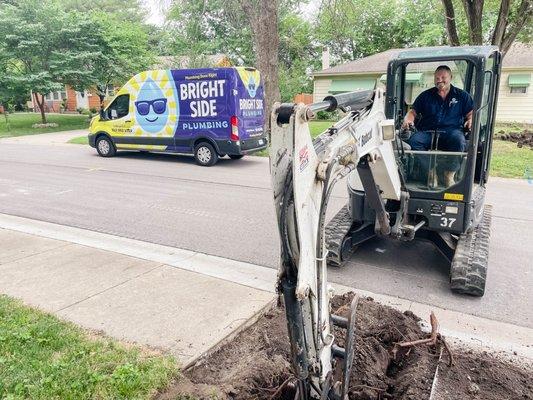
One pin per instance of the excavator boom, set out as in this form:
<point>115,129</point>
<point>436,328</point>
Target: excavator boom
<point>304,172</point>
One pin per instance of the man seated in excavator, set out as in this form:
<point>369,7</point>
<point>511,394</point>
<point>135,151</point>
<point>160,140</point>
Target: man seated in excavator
<point>445,109</point>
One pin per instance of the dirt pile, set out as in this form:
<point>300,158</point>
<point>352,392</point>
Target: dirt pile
<point>522,139</point>
<point>256,364</point>
<point>483,376</point>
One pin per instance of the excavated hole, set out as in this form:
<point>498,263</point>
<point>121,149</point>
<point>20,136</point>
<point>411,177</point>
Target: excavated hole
<point>256,364</point>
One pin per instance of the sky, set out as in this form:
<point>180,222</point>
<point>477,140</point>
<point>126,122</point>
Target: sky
<point>157,10</point>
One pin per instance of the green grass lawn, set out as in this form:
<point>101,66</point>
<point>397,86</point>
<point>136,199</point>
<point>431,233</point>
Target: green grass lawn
<point>79,140</point>
<point>20,124</point>
<point>44,358</point>
<point>509,161</point>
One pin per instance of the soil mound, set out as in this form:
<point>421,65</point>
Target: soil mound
<point>256,364</point>
<point>522,139</point>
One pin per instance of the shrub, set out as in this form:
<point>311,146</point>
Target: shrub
<point>328,116</point>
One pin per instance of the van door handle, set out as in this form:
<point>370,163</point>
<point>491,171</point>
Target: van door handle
<point>129,120</point>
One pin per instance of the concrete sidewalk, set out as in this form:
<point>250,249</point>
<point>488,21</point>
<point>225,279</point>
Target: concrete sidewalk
<point>177,300</point>
<point>52,138</point>
<point>132,299</point>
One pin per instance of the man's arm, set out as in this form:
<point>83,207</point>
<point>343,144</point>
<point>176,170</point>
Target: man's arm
<point>468,120</point>
<point>409,119</point>
<point>469,105</point>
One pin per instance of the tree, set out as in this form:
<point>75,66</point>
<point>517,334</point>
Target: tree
<point>270,35</point>
<point>46,46</point>
<point>512,18</point>
<point>299,54</point>
<point>355,29</point>
<point>263,21</point>
<point>207,27</point>
<point>124,10</point>
<point>124,52</point>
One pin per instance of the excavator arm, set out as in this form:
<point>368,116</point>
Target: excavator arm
<point>304,172</point>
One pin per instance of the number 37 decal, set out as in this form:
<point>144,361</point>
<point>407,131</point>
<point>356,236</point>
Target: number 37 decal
<point>447,222</point>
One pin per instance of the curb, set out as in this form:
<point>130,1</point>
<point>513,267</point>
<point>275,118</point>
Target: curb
<point>465,329</point>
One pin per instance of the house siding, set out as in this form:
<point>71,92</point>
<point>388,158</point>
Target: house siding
<point>322,85</point>
<point>94,100</point>
<point>71,99</point>
<point>320,90</point>
<point>516,107</point>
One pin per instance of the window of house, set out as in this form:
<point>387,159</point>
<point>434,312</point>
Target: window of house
<point>110,90</point>
<point>518,89</point>
<point>55,96</point>
<point>119,107</point>
<point>518,83</point>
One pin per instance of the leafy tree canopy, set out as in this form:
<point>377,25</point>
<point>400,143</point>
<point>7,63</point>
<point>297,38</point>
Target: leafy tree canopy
<point>124,10</point>
<point>48,46</point>
<point>123,52</point>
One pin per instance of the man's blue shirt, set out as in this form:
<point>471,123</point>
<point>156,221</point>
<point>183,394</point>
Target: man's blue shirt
<point>446,114</point>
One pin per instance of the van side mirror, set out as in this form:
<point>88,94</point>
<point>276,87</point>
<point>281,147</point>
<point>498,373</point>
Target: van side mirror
<point>102,114</point>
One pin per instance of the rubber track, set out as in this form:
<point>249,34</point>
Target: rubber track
<point>468,272</point>
<point>336,231</point>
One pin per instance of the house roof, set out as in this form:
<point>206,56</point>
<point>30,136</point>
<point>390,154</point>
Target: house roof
<point>520,55</point>
<point>376,63</point>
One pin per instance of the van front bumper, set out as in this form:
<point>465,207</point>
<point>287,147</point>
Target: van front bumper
<point>92,139</point>
<point>242,147</point>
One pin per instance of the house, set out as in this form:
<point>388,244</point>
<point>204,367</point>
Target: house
<point>71,100</point>
<point>515,101</point>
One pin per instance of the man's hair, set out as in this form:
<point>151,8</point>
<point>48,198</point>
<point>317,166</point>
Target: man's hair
<point>443,68</point>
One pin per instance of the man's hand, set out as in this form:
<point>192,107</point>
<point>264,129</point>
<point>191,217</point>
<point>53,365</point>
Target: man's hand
<point>409,119</point>
<point>407,124</point>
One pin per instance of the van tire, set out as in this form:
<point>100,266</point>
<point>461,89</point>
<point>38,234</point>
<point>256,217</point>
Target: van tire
<point>205,154</point>
<point>105,146</point>
<point>236,156</point>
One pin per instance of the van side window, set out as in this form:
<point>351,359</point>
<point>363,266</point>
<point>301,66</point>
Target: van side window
<point>119,108</point>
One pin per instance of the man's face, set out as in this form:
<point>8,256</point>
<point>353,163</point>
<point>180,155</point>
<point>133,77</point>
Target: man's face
<point>442,80</point>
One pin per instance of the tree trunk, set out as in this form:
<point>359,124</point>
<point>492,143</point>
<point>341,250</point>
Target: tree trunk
<point>474,15</point>
<point>41,106</point>
<point>263,19</point>
<point>501,24</point>
<point>451,26</point>
<point>101,91</point>
<point>523,17</point>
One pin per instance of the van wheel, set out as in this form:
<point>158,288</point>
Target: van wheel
<point>105,147</point>
<point>205,155</point>
<point>236,156</point>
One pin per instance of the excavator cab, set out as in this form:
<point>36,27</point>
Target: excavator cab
<point>475,70</point>
<point>450,213</point>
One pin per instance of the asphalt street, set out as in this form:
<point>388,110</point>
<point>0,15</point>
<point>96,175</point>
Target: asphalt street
<point>227,211</point>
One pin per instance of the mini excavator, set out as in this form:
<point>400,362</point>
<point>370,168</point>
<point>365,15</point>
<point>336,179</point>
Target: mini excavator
<point>389,195</point>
